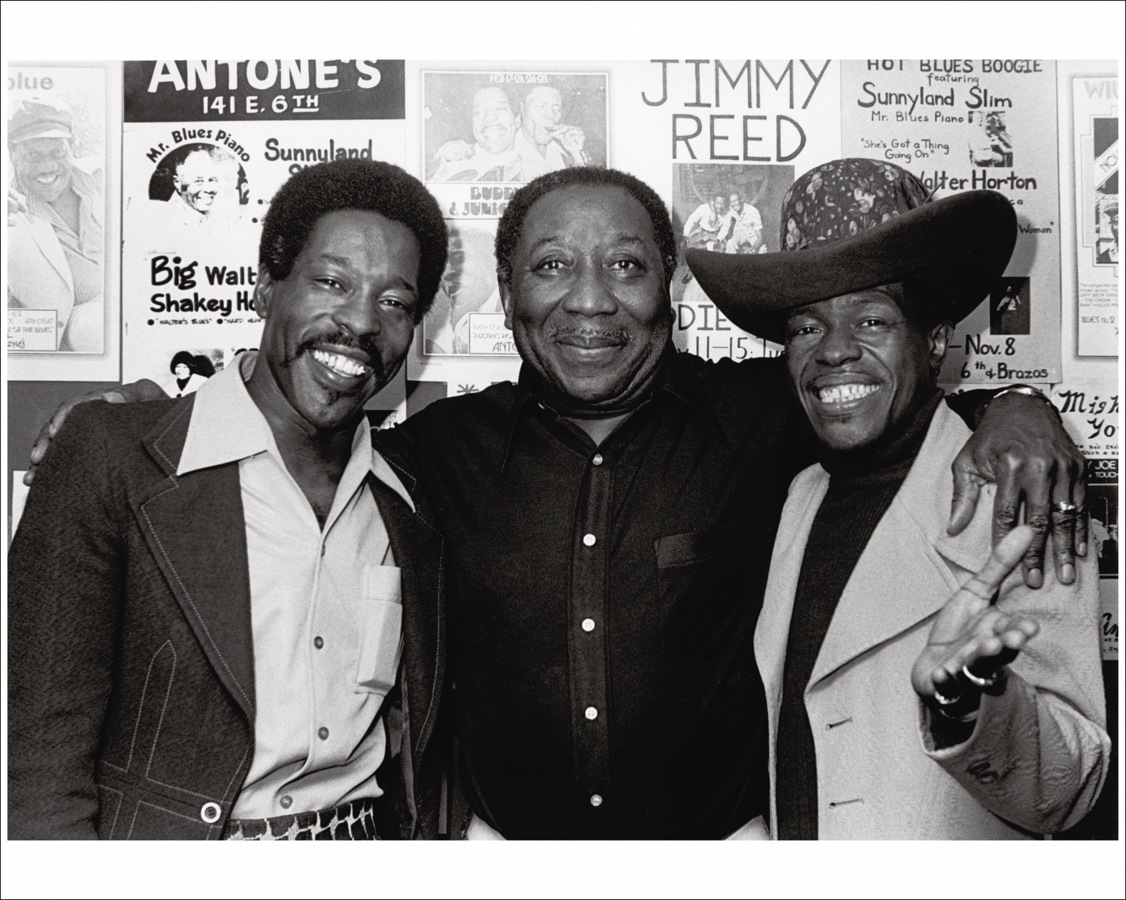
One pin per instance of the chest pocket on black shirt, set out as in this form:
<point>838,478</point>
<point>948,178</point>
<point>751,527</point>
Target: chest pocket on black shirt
<point>707,582</point>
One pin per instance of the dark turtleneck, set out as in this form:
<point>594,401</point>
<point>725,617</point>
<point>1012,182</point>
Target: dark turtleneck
<point>861,487</point>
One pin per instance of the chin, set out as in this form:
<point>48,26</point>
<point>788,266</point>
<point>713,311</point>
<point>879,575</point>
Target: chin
<point>842,439</point>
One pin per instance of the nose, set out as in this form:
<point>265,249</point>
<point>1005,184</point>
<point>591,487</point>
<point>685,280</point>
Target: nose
<point>591,293</point>
<point>359,313</point>
<point>838,346</point>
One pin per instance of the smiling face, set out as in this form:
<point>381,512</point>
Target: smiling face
<point>861,365</point>
<point>542,112</point>
<point>197,180</point>
<point>587,302</point>
<point>494,122</point>
<point>43,167</point>
<point>339,325</point>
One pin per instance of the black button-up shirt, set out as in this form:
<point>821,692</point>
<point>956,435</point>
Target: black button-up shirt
<point>603,599</point>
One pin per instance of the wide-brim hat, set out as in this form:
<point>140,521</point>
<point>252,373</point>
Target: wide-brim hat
<point>855,224</point>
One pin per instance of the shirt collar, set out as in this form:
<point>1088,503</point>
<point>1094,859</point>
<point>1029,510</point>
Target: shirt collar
<point>227,427</point>
<point>673,379</point>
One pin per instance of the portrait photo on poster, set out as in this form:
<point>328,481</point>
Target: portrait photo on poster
<point>989,142</point>
<point>1009,308</point>
<point>198,192</point>
<point>56,234</point>
<point>511,127</point>
<point>725,208</point>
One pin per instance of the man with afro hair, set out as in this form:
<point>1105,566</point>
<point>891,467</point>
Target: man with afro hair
<point>210,597</point>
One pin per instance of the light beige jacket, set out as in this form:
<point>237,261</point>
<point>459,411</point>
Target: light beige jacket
<point>1039,753</point>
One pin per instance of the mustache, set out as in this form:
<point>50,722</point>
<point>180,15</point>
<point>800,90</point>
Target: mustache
<point>365,343</point>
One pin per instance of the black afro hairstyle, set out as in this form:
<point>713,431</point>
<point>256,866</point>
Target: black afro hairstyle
<point>182,358</point>
<point>508,229</point>
<point>361,184</point>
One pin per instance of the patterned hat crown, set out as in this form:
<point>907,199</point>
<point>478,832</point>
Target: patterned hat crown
<point>842,198</point>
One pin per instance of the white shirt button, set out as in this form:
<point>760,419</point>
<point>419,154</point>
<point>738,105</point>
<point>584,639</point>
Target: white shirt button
<point>588,624</point>
<point>595,799</point>
<point>286,801</point>
<point>589,539</point>
<point>318,642</point>
<point>210,812</point>
<point>591,713</point>
<point>322,733</point>
<point>597,459</point>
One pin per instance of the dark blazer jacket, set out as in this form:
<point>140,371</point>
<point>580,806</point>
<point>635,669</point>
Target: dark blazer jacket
<point>130,663</point>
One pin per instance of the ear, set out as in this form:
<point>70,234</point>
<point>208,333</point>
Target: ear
<point>263,293</point>
<point>938,342</point>
<point>506,302</point>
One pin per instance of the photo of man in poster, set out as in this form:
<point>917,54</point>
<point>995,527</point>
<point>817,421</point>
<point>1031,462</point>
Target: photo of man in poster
<point>196,191</point>
<point>56,211</point>
<point>545,142</point>
<point>510,127</point>
<point>1009,311</point>
<point>491,156</point>
<point>989,141</point>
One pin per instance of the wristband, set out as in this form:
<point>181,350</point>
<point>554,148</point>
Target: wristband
<point>1028,391</point>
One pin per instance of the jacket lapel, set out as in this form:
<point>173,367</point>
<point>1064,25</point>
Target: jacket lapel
<point>196,531</point>
<point>418,551</point>
<point>43,233</point>
<point>772,632</point>
<point>885,597</point>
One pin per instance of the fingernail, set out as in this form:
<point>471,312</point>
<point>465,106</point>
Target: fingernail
<point>1035,578</point>
<point>1067,573</point>
<point>1082,551</point>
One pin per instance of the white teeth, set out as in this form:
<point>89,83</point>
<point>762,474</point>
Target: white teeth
<point>842,393</point>
<point>341,365</point>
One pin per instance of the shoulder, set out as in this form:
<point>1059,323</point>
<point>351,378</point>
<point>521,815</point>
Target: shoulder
<point>467,409</point>
<point>460,422</point>
<point>118,426</point>
<point>765,375</point>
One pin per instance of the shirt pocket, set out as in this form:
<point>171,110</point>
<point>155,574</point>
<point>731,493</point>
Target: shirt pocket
<point>381,629</point>
<point>707,582</point>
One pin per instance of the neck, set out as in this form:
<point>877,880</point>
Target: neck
<point>596,418</point>
<point>315,457</point>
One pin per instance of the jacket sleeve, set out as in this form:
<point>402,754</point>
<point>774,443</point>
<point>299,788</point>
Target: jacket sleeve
<point>1039,752</point>
<point>65,587</point>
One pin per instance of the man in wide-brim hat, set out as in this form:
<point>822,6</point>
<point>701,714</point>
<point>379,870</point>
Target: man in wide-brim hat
<point>908,697</point>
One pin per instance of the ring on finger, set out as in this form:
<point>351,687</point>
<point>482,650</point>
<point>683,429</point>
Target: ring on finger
<point>984,683</point>
<point>1066,508</point>
<point>945,699</point>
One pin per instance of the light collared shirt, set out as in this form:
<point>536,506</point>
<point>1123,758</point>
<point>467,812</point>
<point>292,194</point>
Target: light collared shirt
<point>535,160</point>
<point>326,609</point>
<point>744,229</point>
